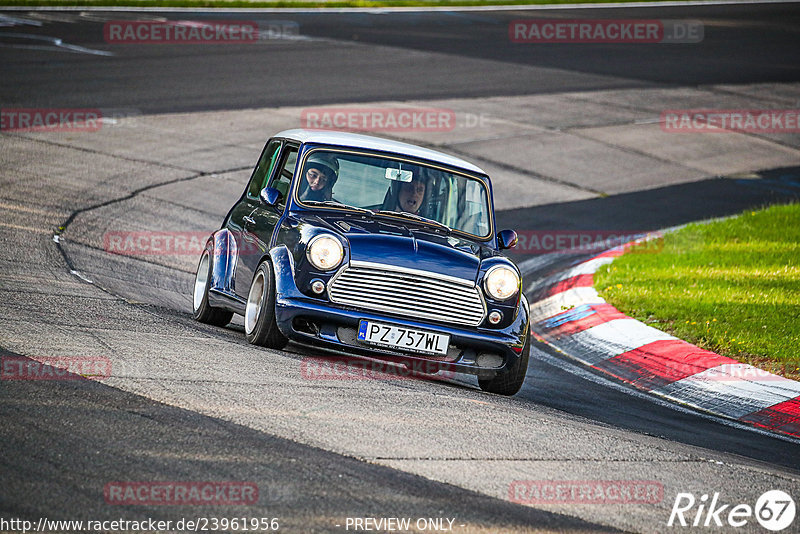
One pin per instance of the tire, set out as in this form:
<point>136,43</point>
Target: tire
<point>202,311</point>
<point>259,318</point>
<point>510,382</point>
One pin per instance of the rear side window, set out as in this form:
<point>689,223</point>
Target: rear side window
<point>264,169</point>
<point>284,177</point>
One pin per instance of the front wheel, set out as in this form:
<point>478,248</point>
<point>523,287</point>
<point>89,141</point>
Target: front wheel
<point>259,317</point>
<point>510,382</point>
<point>202,311</point>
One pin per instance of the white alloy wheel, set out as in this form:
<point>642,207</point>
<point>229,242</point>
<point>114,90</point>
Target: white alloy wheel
<point>254,301</point>
<point>200,281</point>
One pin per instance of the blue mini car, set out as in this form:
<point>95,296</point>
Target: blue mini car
<point>373,247</point>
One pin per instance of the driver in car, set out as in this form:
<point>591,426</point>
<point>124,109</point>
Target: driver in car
<point>322,170</point>
<point>411,195</point>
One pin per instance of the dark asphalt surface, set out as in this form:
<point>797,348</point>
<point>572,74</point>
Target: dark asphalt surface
<point>474,58</point>
<point>64,441</point>
<point>656,209</point>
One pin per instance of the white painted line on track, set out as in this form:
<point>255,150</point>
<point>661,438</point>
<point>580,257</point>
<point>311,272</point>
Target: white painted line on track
<point>51,43</point>
<point>6,22</point>
<point>560,302</point>
<point>587,267</point>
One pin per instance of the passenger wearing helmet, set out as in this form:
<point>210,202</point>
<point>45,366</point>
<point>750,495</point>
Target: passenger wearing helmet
<point>322,170</point>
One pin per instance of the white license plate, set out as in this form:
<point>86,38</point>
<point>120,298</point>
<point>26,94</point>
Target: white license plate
<point>400,337</point>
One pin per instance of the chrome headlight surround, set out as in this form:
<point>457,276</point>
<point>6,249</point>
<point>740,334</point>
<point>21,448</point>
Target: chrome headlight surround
<point>501,282</point>
<point>325,252</point>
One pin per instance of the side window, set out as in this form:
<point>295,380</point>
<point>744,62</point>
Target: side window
<point>264,168</point>
<point>284,177</point>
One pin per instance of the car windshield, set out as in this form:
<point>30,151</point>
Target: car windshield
<point>395,188</point>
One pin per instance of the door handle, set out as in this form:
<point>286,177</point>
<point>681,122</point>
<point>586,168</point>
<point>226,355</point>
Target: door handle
<point>249,219</point>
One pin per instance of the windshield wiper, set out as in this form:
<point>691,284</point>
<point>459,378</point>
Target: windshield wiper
<point>338,205</point>
<point>416,217</point>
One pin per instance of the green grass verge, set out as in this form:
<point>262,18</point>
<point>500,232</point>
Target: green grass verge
<point>732,287</point>
<point>293,3</point>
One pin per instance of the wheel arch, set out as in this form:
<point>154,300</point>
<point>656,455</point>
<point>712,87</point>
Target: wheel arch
<point>225,252</point>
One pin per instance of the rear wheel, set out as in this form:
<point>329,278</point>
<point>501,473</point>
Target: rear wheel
<point>259,318</point>
<point>202,311</point>
<point>510,382</point>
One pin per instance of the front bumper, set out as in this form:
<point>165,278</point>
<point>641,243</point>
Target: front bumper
<point>479,351</point>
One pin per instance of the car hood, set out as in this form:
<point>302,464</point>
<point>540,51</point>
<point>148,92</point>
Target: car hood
<point>410,246</point>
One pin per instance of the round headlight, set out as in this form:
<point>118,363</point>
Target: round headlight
<point>325,252</point>
<point>501,282</point>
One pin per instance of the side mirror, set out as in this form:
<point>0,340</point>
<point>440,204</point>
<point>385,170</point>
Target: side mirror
<point>270,196</point>
<point>507,239</point>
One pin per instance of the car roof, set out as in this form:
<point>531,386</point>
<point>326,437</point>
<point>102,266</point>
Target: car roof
<point>352,140</point>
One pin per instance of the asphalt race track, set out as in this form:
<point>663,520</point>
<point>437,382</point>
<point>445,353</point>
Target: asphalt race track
<point>570,135</point>
<point>446,55</point>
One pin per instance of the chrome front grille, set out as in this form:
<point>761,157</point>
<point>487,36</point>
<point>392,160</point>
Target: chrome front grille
<point>408,293</point>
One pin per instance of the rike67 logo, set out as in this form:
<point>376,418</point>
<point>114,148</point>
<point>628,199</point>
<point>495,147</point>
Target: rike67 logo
<point>774,510</point>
